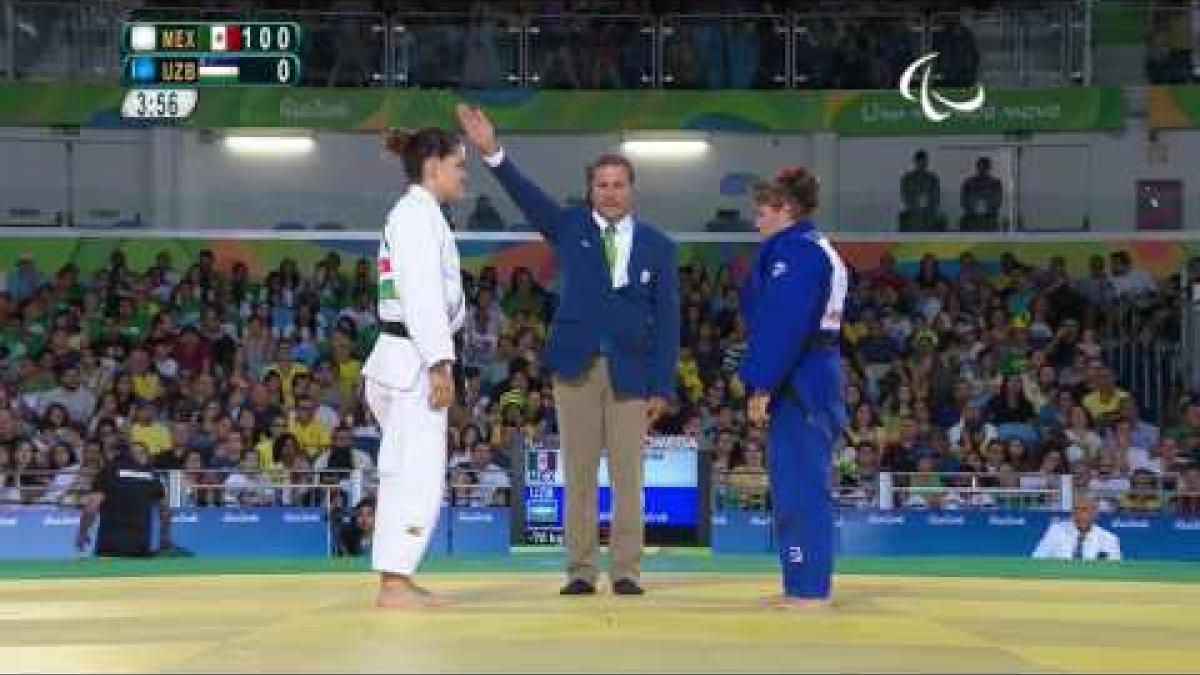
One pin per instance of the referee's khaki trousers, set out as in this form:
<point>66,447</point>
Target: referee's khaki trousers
<point>592,417</point>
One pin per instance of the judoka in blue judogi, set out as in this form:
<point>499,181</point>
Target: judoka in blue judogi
<point>792,305</point>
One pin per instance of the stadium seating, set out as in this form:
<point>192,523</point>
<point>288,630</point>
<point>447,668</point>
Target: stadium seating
<point>209,371</point>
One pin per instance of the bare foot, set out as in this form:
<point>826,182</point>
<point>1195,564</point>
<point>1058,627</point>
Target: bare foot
<point>789,602</point>
<point>409,596</point>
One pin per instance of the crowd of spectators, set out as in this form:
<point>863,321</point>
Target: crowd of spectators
<point>247,384</point>
<point>983,390</point>
<point>601,44</point>
<point>252,384</point>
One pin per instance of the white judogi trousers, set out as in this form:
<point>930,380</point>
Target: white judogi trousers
<point>412,473</point>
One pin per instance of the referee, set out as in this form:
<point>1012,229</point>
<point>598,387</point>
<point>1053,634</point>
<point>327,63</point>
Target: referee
<point>125,495</point>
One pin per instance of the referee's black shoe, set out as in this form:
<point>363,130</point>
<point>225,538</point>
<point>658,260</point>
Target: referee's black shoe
<point>578,587</point>
<point>627,587</point>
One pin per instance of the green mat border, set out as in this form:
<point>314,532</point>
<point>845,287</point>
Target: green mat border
<point>551,564</point>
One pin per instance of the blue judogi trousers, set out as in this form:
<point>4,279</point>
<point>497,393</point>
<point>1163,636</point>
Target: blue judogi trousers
<point>800,459</point>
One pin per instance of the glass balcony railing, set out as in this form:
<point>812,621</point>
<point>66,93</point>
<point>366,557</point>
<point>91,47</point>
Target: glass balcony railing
<point>8,30</point>
<point>590,52</point>
<point>344,50</point>
<point>725,52</point>
<point>486,46</point>
<point>1170,43</point>
<point>55,41</point>
<point>483,51</point>
<point>857,51</point>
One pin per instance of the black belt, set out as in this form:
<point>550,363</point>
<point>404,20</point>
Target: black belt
<point>822,340</point>
<point>396,328</point>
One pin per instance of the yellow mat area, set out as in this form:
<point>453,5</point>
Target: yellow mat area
<point>518,623</point>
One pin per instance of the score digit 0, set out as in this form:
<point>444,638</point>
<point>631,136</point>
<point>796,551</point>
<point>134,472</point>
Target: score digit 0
<point>281,35</point>
<point>283,70</point>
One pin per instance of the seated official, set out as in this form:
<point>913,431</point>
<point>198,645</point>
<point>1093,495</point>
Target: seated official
<point>1079,538</point>
<point>921,194</point>
<point>982,196</point>
<point>125,496</point>
<point>354,529</point>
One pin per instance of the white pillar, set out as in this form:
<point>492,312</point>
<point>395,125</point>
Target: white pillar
<point>175,489</point>
<point>164,180</point>
<point>356,488</point>
<point>825,164</point>
<point>887,497</point>
<point>1066,492</point>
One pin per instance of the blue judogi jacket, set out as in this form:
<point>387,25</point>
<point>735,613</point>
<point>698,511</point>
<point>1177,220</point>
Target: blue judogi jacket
<point>792,305</point>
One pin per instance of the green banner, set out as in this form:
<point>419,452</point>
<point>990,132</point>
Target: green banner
<point>42,105</point>
<point>523,110</point>
<point>1064,109</point>
<point>512,110</point>
<point>730,110</point>
<point>1123,23</point>
<point>373,109</point>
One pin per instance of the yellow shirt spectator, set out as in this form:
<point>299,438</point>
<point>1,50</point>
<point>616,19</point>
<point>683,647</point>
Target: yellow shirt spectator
<point>689,376</point>
<point>313,436</point>
<point>1140,502</point>
<point>147,386</point>
<point>1100,405</point>
<point>348,375</point>
<point>154,436</point>
<point>737,388</point>
<point>854,331</point>
<point>288,375</point>
<point>266,454</point>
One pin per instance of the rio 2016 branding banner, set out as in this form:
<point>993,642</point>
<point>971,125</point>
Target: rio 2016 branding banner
<point>545,111</point>
<point>966,533</point>
<point>887,113</point>
<point>671,497</point>
<point>49,532</point>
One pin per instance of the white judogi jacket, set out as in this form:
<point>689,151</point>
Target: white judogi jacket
<point>419,284</point>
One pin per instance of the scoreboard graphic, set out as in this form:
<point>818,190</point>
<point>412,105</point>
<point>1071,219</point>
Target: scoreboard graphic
<point>670,499</point>
<point>165,64</point>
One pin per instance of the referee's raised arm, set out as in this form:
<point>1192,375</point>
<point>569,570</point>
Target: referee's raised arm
<point>543,212</point>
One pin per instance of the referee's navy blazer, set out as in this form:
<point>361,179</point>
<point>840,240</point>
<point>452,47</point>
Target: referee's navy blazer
<point>635,326</point>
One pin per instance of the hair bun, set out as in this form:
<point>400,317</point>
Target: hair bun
<point>414,147</point>
<point>795,186</point>
<point>795,177</point>
<point>791,173</point>
<point>396,140</point>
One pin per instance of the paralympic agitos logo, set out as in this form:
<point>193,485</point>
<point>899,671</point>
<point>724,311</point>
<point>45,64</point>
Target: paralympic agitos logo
<point>928,97</point>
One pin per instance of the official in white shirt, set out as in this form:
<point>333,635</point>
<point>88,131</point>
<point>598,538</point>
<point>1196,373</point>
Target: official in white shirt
<point>1079,538</point>
<point>408,376</point>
